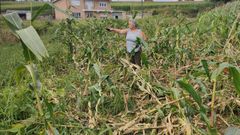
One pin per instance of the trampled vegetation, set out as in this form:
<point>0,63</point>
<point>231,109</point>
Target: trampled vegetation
<point>189,82</point>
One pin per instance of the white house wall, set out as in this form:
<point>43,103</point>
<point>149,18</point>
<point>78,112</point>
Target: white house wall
<point>89,4</point>
<point>127,0</point>
<point>28,16</point>
<point>153,0</point>
<point>165,0</point>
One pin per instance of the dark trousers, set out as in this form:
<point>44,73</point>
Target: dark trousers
<point>136,58</point>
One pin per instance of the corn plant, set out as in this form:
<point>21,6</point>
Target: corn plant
<point>33,49</point>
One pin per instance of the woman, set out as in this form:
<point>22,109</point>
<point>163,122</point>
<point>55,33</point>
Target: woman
<point>132,33</point>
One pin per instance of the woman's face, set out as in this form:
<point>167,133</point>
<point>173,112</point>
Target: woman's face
<point>131,25</point>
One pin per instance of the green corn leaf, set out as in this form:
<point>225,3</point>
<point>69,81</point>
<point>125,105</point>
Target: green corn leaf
<point>32,69</point>
<point>234,72</point>
<point>211,130</point>
<point>97,88</point>
<point>105,131</point>
<point>236,78</point>
<point>205,118</point>
<point>191,91</point>
<point>134,14</point>
<point>28,55</point>
<point>31,39</point>
<point>176,93</point>
<point>50,132</point>
<point>218,71</point>
<point>29,121</point>
<point>97,70</point>
<point>14,20</point>
<point>18,71</point>
<point>144,59</point>
<point>15,128</point>
<point>205,66</point>
<point>40,10</point>
<point>105,77</point>
<point>189,88</point>
<point>201,84</point>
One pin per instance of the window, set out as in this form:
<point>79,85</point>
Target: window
<point>76,14</point>
<point>75,2</point>
<point>89,14</point>
<point>103,4</point>
<point>103,17</point>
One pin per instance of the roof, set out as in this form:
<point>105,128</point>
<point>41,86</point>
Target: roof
<point>18,11</point>
<point>55,1</point>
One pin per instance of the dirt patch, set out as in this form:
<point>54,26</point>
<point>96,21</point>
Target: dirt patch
<point>7,37</point>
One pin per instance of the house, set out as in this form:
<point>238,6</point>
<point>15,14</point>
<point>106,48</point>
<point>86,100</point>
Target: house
<point>24,14</point>
<point>34,0</point>
<point>153,0</point>
<point>87,9</point>
<point>128,0</point>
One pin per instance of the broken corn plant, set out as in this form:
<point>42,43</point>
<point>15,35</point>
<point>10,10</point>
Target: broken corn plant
<point>33,49</point>
<point>234,73</point>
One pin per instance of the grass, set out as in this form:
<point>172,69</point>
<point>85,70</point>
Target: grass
<point>127,6</point>
<point>158,3</point>
<point>13,53</point>
<point>7,5</point>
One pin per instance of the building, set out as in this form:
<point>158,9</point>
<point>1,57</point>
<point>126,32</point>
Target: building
<point>24,14</point>
<point>128,0</point>
<point>87,9</point>
<point>153,0</point>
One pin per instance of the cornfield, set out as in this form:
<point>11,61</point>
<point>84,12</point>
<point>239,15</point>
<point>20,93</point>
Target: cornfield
<point>189,83</point>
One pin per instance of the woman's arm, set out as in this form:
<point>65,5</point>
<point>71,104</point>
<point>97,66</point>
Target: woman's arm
<point>143,36</point>
<point>120,31</point>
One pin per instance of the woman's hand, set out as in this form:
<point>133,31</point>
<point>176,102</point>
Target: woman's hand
<point>109,29</point>
<point>120,31</point>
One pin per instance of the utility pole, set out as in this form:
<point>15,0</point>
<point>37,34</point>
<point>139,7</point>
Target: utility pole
<point>142,7</point>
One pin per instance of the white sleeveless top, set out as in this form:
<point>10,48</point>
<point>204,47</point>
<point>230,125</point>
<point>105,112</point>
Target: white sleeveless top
<point>131,40</point>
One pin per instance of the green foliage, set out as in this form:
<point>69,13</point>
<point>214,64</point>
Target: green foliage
<point>24,5</point>
<point>39,11</point>
<point>33,44</point>
<point>236,78</point>
<point>192,92</point>
<point>234,73</point>
<point>33,47</point>
<point>205,66</point>
<point>128,6</point>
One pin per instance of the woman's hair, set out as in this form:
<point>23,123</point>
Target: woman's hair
<point>133,22</point>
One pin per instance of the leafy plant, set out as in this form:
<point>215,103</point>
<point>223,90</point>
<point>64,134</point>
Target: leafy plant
<point>33,47</point>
